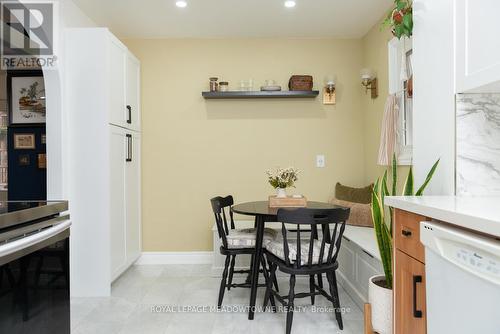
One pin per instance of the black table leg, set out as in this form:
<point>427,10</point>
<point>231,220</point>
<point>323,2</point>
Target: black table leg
<point>259,221</point>
<point>249,276</point>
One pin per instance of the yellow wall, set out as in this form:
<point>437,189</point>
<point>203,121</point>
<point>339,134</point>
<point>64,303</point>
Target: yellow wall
<point>194,149</point>
<point>375,53</point>
<point>374,46</point>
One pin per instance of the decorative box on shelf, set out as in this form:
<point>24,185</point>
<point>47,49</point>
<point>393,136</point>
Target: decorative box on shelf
<point>287,202</point>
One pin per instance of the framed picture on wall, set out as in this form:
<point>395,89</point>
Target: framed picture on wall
<point>24,141</point>
<point>26,93</point>
<point>42,161</point>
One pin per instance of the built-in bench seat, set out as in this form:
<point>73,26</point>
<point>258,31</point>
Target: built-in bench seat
<point>359,259</point>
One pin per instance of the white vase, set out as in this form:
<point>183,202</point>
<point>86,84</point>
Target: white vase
<point>380,299</point>
<point>280,192</point>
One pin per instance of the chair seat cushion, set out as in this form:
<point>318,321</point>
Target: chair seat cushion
<point>245,238</point>
<point>276,247</point>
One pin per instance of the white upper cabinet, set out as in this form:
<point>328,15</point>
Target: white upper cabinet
<point>477,46</point>
<point>124,87</point>
<point>117,68</point>
<point>132,72</point>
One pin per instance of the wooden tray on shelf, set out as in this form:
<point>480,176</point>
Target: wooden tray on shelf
<point>287,202</point>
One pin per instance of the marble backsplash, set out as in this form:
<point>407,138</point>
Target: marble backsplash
<point>478,144</point>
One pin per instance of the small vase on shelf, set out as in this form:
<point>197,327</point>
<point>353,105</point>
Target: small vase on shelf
<point>280,192</point>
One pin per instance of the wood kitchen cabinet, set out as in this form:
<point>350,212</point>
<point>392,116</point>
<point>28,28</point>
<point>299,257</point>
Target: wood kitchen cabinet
<point>409,274</point>
<point>409,295</point>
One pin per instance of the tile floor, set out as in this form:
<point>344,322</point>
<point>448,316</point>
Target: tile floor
<point>144,288</point>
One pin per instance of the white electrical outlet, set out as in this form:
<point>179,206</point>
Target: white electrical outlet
<point>320,161</point>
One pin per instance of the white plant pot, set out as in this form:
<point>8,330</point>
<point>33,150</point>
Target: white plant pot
<point>280,192</point>
<point>381,304</point>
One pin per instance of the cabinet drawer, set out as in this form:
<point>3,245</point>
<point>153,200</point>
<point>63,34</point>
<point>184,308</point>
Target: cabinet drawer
<point>407,233</point>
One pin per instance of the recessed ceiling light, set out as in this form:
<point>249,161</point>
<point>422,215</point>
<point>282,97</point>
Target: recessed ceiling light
<point>289,4</point>
<point>181,4</point>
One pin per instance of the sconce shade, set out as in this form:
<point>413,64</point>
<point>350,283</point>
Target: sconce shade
<point>330,80</point>
<point>367,73</point>
<point>369,81</point>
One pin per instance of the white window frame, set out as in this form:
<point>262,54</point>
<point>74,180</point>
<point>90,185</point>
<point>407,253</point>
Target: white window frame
<point>396,48</point>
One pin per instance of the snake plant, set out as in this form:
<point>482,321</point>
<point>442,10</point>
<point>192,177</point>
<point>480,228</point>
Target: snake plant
<point>383,231</point>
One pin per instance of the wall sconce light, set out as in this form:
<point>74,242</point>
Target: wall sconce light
<point>369,81</point>
<point>329,89</point>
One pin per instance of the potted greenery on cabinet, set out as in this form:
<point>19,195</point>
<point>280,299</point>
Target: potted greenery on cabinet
<point>400,19</point>
<point>380,286</point>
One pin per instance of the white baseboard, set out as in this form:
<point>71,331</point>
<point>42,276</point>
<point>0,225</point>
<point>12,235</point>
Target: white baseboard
<point>175,258</point>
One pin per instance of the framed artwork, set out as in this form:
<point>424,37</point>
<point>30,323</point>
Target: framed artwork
<point>26,93</point>
<point>24,141</point>
<point>42,161</point>
<point>24,160</point>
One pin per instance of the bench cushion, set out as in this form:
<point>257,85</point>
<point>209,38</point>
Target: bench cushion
<point>356,195</point>
<point>360,215</point>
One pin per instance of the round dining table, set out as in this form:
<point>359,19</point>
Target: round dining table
<point>263,214</point>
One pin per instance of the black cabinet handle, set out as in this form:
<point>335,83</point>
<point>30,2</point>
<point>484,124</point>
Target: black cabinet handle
<point>416,279</point>
<point>129,148</point>
<point>129,118</point>
<point>406,233</point>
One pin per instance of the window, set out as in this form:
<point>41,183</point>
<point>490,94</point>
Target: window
<point>400,69</point>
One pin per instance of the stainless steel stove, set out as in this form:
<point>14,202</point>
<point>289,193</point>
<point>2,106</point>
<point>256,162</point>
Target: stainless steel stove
<point>34,267</point>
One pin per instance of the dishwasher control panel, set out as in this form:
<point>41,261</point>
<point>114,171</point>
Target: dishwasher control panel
<point>477,260</point>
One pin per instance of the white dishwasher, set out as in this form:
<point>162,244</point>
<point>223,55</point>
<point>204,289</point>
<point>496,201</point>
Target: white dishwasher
<point>462,280</point>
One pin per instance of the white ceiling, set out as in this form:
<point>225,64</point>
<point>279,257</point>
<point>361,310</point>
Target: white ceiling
<point>236,18</point>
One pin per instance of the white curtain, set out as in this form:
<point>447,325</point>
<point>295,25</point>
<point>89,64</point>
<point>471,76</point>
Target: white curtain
<point>388,135</point>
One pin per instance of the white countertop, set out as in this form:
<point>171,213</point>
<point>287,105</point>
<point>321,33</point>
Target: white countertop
<point>475,213</point>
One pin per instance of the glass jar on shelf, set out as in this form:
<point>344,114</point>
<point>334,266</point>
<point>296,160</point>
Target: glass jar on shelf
<point>246,85</point>
<point>214,85</point>
<point>223,86</point>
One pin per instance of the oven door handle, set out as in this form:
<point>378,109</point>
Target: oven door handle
<point>23,246</point>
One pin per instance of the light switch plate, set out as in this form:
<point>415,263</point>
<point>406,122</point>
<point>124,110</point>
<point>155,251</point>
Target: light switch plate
<point>320,161</point>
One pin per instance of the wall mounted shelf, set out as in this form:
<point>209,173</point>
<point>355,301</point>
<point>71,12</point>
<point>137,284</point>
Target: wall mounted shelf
<point>260,94</point>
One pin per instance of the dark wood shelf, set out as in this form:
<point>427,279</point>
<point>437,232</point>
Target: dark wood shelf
<point>260,94</point>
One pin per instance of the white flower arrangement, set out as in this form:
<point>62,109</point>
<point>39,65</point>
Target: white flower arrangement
<point>283,177</point>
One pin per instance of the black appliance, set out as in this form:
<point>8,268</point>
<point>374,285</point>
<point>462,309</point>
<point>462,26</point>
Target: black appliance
<point>34,268</point>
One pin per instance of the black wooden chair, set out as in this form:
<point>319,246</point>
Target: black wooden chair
<point>236,242</point>
<point>315,256</point>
